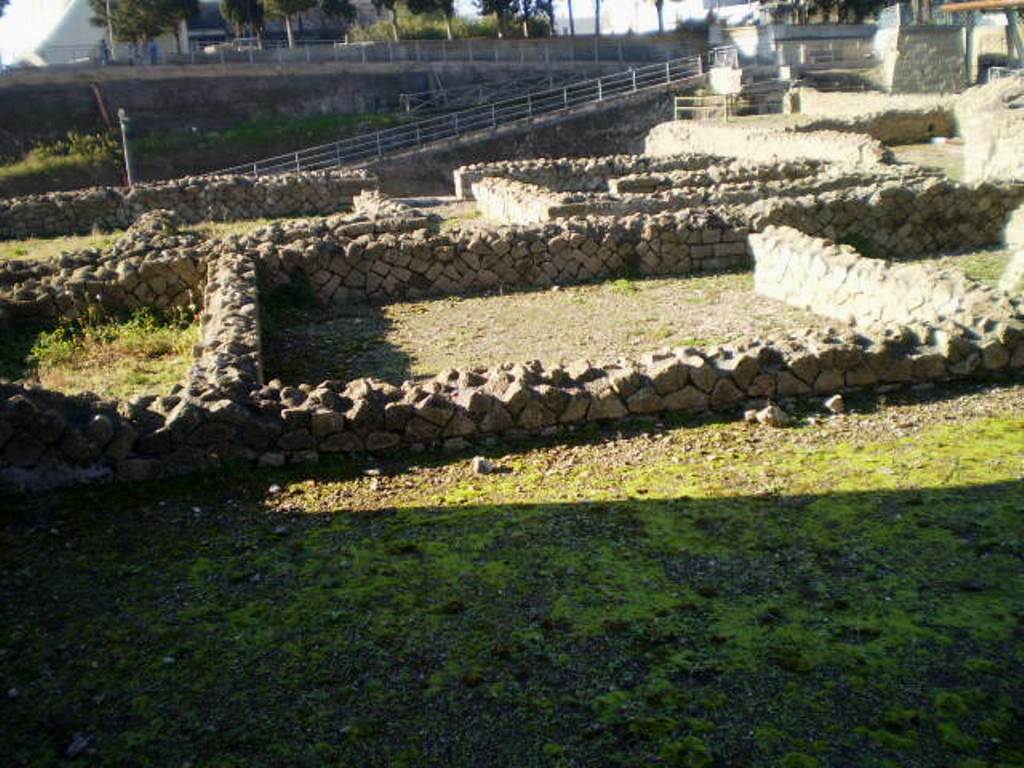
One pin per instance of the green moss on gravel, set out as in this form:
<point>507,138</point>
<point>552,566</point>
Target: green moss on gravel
<point>797,607</point>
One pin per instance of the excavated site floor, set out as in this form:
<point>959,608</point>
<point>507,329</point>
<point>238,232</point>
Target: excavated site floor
<point>597,321</point>
<point>602,321</point>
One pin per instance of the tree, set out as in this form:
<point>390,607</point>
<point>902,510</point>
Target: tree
<point>133,21</point>
<point>391,6</point>
<point>3,4</point>
<point>244,15</point>
<point>597,18</point>
<point>177,13</point>
<point>660,6</point>
<point>137,21</point>
<point>286,9</point>
<point>444,7</point>
<point>338,9</point>
<point>504,11</point>
<point>572,21</point>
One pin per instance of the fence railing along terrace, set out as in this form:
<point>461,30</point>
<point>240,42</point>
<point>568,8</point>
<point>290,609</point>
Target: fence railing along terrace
<point>375,144</point>
<point>481,50</point>
<point>470,95</point>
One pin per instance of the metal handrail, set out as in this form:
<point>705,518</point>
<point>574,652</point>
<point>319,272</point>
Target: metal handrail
<point>532,52</point>
<point>375,144</point>
<point>468,95</point>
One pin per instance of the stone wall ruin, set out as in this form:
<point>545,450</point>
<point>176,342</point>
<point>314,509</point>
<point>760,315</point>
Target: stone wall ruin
<point>784,217</point>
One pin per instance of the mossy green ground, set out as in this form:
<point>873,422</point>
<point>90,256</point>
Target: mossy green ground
<point>115,357</point>
<point>705,595</point>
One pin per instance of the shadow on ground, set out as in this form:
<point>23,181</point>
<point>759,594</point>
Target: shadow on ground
<point>669,620</point>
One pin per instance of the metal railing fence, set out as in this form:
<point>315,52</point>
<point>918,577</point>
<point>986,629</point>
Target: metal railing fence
<point>543,51</point>
<point>376,144</point>
<point>469,95</point>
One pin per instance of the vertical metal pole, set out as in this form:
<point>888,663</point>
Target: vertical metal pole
<point>969,49</point>
<point>298,166</point>
<point>600,94</point>
<point>380,150</point>
<point>565,97</point>
<point>337,153</point>
<point>456,116</point>
<point>633,73</point>
<point>668,76</point>
<point>494,117</point>
<point>126,135</point>
<point>700,65</point>
<point>419,139</point>
<point>255,171</point>
<point>529,105</point>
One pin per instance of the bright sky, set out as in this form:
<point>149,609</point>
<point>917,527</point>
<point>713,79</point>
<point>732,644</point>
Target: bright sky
<point>27,22</point>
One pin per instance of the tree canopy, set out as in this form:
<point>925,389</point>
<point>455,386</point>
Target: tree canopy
<point>139,20</point>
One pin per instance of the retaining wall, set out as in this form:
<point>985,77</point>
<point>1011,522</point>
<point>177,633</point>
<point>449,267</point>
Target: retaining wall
<point>925,59</point>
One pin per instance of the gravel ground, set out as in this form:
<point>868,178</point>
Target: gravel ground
<point>598,321</point>
<point>721,445</point>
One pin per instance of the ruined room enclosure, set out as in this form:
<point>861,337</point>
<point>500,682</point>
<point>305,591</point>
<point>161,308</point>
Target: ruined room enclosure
<point>615,312</point>
<point>574,291</point>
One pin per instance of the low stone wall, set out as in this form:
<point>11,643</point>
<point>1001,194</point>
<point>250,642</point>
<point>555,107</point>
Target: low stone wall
<point>889,216</point>
<point>835,281</point>
<point>737,171</point>
<point>229,356</point>
<point>991,119</point>
<point>898,220</point>
<point>150,265</point>
<point>1012,280</point>
<point>412,265</point>
<point>193,199</point>
<point>764,142</point>
<point>569,174</point>
<point>374,205</point>
<point>224,411</point>
<point>155,265</point>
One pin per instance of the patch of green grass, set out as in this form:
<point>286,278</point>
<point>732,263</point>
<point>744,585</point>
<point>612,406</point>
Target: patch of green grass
<point>256,134</point>
<point>145,353</point>
<point>676,616</point>
<point>623,286</point>
<point>984,266</point>
<point>76,152</point>
<point>51,247</point>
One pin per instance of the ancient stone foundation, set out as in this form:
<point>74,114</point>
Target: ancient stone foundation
<point>566,221</point>
<point>193,199</point>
